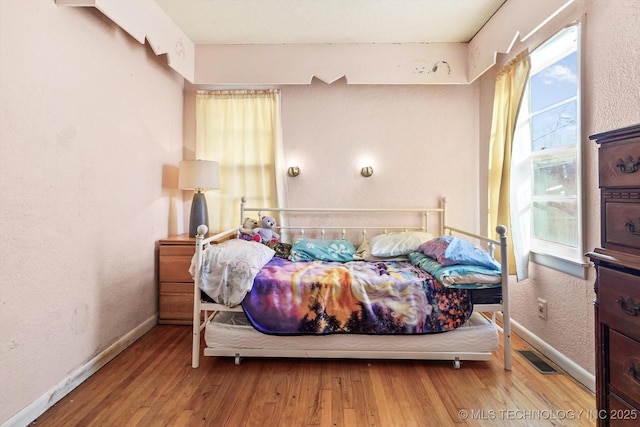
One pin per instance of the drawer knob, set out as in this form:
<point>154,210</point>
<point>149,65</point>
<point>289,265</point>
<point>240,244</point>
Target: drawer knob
<point>633,226</point>
<point>628,165</point>
<point>628,306</point>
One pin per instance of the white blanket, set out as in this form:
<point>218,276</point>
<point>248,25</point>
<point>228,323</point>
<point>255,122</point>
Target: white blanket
<point>228,269</point>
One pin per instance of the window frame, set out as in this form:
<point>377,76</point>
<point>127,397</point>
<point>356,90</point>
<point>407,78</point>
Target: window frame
<point>557,256</point>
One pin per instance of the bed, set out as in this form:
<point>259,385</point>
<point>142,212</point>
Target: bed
<point>367,283</point>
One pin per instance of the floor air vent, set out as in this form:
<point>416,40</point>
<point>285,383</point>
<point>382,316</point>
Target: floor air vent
<point>535,360</point>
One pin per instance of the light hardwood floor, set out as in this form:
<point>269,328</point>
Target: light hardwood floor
<point>152,384</point>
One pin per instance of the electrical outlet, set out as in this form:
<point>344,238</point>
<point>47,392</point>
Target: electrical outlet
<point>542,308</point>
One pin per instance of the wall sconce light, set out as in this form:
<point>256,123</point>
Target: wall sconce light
<point>366,171</point>
<point>293,171</point>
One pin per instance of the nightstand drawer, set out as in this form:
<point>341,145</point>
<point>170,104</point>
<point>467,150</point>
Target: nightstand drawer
<point>175,262</point>
<point>622,223</point>
<point>619,302</point>
<point>624,365</point>
<point>176,303</point>
<point>176,288</point>
<point>176,250</point>
<point>619,164</point>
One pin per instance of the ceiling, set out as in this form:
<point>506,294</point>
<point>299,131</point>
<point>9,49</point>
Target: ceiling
<point>329,21</point>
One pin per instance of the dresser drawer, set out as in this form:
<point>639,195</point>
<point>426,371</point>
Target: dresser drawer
<point>624,365</point>
<point>619,164</point>
<point>622,221</point>
<point>621,414</point>
<point>619,301</point>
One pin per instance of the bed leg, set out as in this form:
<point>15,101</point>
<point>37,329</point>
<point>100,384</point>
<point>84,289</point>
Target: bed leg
<point>195,344</point>
<point>506,337</point>
<point>506,312</point>
<point>456,363</point>
<point>237,360</point>
<point>195,349</point>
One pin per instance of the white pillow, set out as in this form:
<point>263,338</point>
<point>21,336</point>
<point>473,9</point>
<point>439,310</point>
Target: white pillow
<point>364,254</point>
<point>228,269</point>
<point>398,243</point>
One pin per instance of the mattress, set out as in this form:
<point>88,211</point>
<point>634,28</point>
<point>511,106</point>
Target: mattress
<point>232,331</point>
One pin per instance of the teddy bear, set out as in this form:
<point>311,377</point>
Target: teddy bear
<point>266,233</point>
<point>247,231</point>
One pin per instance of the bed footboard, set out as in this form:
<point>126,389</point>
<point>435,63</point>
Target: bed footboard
<point>492,244</point>
<point>200,321</point>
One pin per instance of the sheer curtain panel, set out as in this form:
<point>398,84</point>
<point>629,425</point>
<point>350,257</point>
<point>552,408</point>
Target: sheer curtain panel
<point>241,130</point>
<point>510,85</point>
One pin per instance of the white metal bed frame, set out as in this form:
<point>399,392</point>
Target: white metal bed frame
<point>210,309</point>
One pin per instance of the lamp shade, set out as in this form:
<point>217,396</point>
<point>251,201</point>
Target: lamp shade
<point>199,175</point>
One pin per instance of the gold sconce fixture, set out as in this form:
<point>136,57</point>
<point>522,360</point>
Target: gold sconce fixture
<point>366,171</point>
<point>293,171</point>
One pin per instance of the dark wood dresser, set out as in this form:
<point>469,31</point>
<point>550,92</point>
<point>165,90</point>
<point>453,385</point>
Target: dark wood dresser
<point>617,285</point>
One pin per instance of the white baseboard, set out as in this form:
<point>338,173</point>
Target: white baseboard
<point>50,398</point>
<point>569,366</point>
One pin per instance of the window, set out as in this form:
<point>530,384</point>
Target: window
<point>547,148</point>
<point>241,129</point>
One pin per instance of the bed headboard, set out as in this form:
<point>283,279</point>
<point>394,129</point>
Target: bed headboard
<point>351,223</point>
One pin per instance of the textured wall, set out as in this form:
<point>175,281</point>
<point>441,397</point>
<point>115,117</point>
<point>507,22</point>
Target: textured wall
<point>612,64</point>
<point>90,125</point>
<point>421,141</point>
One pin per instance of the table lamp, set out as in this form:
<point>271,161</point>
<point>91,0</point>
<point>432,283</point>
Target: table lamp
<point>198,175</point>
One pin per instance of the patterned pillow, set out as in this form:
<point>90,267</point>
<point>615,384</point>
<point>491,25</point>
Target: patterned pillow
<point>340,250</point>
<point>450,250</point>
<point>282,250</point>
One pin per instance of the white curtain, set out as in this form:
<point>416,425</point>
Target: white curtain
<point>521,191</point>
<point>241,129</point>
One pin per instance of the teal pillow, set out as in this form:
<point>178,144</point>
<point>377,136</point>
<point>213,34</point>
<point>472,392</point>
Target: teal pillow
<point>339,250</point>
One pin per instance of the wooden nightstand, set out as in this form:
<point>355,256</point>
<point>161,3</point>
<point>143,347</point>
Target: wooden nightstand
<point>175,285</point>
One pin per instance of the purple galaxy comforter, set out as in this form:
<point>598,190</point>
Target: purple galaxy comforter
<point>391,297</point>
